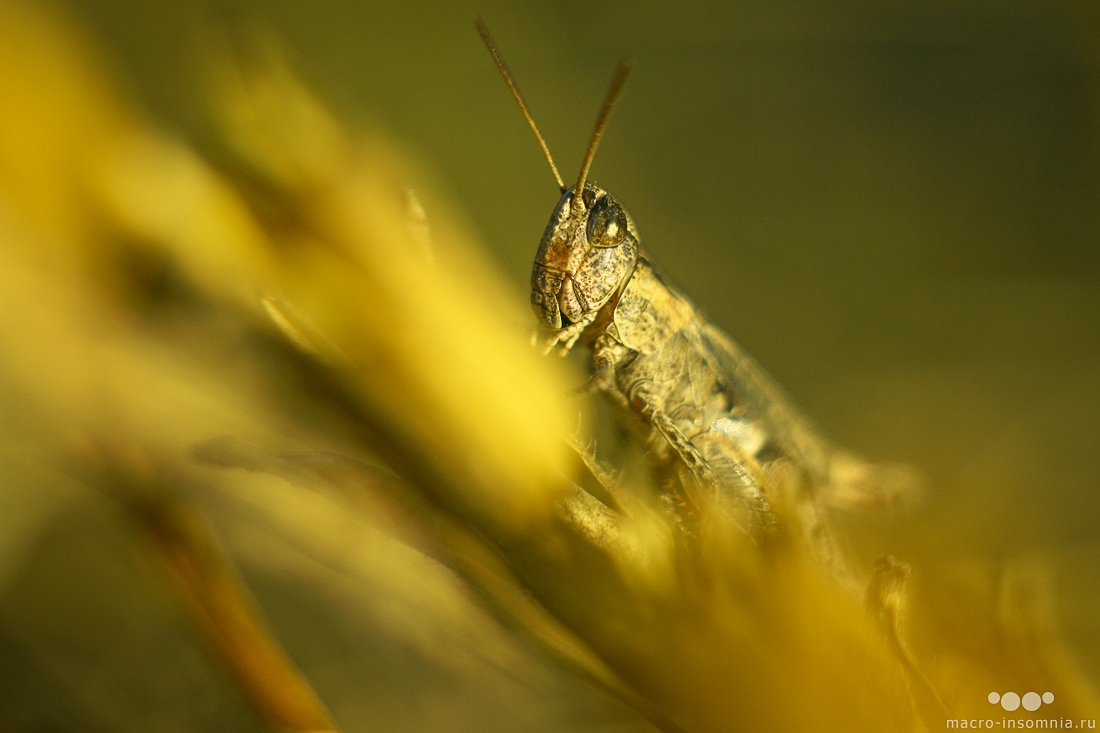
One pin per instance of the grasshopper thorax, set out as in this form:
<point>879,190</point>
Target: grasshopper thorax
<point>586,256</point>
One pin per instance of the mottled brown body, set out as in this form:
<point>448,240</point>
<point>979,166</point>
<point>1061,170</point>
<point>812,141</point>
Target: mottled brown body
<point>712,413</point>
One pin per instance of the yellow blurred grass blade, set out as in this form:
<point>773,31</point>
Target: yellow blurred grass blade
<point>155,295</point>
<point>415,363</point>
<point>230,621</point>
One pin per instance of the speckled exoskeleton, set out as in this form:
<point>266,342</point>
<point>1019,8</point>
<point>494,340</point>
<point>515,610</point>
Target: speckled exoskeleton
<point>711,412</point>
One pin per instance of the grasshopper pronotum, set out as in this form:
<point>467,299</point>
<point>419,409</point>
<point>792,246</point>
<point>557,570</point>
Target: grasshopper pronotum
<point>712,413</point>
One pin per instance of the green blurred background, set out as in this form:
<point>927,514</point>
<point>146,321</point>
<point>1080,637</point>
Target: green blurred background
<point>894,206</point>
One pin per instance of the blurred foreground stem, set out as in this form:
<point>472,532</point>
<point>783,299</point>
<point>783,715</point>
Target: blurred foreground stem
<point>228,618</point>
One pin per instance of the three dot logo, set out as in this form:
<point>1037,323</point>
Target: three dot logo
<point>1030,701</point>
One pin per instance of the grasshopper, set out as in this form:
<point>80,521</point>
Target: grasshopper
<point>709,410</point>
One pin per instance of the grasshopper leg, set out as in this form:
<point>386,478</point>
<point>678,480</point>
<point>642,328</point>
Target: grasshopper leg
<point>605,484</point>
<point>739,470</point>
<point>645,399</point>
<point>648,403</point>
<point>607,354</point>
<point>761,515</point>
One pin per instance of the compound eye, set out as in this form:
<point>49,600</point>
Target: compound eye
<point>606,223</point>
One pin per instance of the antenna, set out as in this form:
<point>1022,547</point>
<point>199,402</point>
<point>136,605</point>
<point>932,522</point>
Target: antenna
<point>613,93</point>
<point>495,53</point>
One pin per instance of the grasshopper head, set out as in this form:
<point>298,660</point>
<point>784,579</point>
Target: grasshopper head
<point>586,255</point>
<point>590,245</point>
